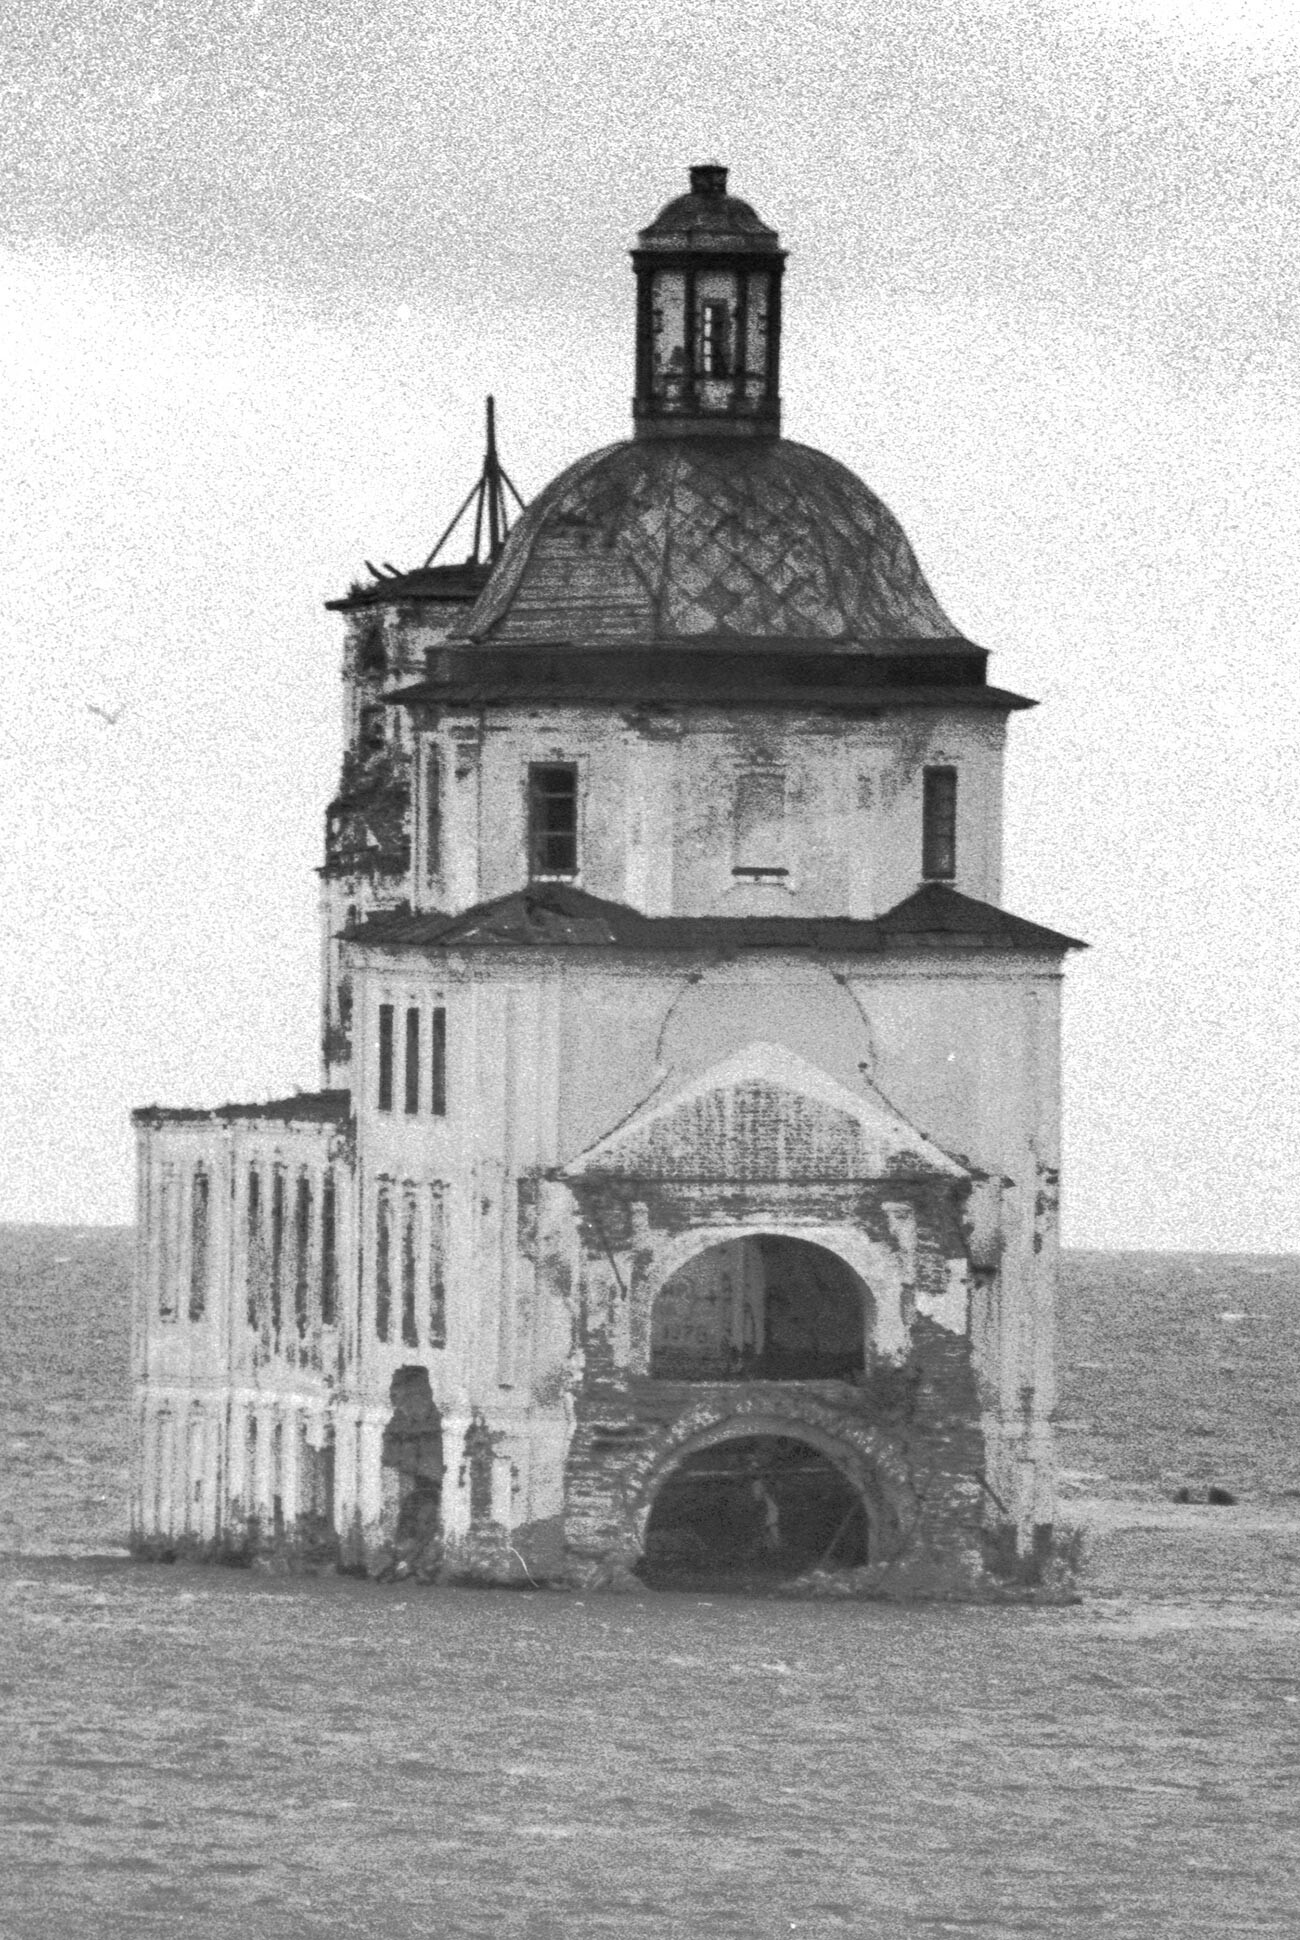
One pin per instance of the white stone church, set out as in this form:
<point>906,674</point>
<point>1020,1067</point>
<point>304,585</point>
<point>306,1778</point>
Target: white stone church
<point>681,1196</point>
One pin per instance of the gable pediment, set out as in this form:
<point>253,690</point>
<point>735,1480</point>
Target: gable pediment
<point>765,1114</point>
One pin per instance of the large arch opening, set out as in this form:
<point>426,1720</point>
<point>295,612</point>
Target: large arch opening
<point>764,1307</point>
<point>747,1513</point>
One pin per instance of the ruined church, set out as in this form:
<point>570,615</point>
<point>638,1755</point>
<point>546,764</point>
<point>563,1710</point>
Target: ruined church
<point>679,1202</point>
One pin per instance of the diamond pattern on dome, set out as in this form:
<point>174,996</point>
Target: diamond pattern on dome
<point>708,539</point>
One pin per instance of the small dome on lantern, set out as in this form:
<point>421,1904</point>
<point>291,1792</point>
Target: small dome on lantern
<point>708,332</point>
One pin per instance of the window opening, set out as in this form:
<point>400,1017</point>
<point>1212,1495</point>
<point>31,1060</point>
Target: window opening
<point>438,1038</point>
<point>764,1307</point>
<point>277,1480</point>
<point>939,825</point>
<point>553,819</point>
<point>432,813</point>
<point>301,1252</point>
<point>250,1466</point>
<point>478,1460</point>
<point>277,1247</point>
<point>760,824</point>
<point>199,1193</point>
<point>168,1247</point>
<point>437,1265</point>
<point>385,1057</point>
<point>412,1062</point>
<point>715,336</point>
<point>254,1269</point>
<point>409,1216</point>
<point>383,1263</point>
<point>329,1271</point>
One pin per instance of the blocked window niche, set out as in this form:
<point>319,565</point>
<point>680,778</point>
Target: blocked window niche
<point>760,826</point>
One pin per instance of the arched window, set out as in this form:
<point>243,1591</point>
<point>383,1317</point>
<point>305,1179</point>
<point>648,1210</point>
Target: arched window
<point>760,1308</point>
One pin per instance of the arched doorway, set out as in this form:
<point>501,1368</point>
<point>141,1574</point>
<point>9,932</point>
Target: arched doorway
<point>762,1307</point>
<point>749,1512</point>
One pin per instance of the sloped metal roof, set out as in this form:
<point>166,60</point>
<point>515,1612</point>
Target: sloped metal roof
<point>303,1108</point>
<point>550,915</point>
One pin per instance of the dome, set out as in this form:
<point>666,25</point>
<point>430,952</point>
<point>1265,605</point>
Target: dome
<point>708,215</point>
<point>708,542</point>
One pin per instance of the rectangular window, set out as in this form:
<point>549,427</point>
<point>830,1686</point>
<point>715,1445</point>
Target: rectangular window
<point>553,819</point>
<point>329,1268</point>
<point>437,1265</point>
<point>385,1057</point>
<point>760,824</point>
<point>199,1243</point>
<point>432,814</point>
<point>410,1213</point>
<point>301,1252</point>
<point>715,332</point>
<point>383,1263</point>
<point>412,1062</point>
<point>255,1266</point>
<point>168,1246</point>
<point>939,825</point>
<point>277,1248</point>
<point>438,1062</point>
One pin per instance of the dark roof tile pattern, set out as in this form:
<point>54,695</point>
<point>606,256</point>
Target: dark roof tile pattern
<point>709,541</point>
<point>556,915</point>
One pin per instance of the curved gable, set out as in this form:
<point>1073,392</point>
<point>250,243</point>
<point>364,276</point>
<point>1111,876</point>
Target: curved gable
<point>766,1113</point>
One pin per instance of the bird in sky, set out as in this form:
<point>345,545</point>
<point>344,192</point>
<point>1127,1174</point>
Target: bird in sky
<point>112,716</point>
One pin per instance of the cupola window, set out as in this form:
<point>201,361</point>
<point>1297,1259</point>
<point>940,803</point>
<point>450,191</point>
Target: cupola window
<point>553,819</point>
<point>939,825</point>
<point>715,333</point>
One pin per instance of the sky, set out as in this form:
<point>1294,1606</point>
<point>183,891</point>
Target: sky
<point>259,265</point>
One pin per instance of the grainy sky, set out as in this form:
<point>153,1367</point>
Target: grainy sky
<point>260,264</point>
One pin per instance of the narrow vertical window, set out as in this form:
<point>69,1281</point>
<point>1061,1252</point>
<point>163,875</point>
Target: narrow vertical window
<point>277,1248</point>
<point>437,1265</point>
<point>438,1062</point>
<point>199,1243</point>
<point>277,1478</point>
<point>432,814</point>
<point>760,834</point>
<point>939,825</point>
<point>329,1264</point>
<point>412,1062</point>
<point>301,1252</point>
<point>383,1263</point>
<point>715,333</point>
<point>410,1215</point>
<point>385,1057</point>
<point>168,1249</point>
<point>478,1458</point>
<point>254,1266</point>
<point>250,1465</point>
<point>553,819</point>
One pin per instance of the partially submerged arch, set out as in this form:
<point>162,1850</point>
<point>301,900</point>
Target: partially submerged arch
<point>747,1511</point>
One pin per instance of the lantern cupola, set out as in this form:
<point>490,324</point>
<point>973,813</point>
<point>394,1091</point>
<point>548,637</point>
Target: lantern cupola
<point>708,331</point>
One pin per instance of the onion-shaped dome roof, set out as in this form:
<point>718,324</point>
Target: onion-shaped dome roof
<point>708,541</point>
